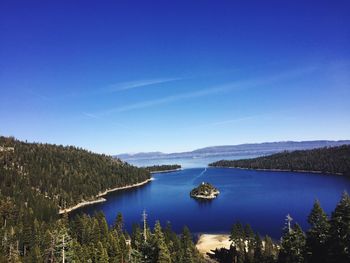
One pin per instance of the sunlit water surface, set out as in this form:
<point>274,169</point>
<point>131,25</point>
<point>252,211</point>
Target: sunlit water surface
<point>260,198</point>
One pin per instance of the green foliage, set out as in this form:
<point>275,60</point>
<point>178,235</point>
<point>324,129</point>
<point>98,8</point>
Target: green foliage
<point>119,223</point>
<point>339,242</point>
<point>317,235</point>
<point>162,168</point>
<point>334,160</point>
<point>258,249</point>
<point>270,251</point>
<point>189,253</point>
<point>246,247</point>
<point>101,253</point>
<point>292,246</point>
<point>163,254</point>
<point>204,190</point>
<point>46,177</point>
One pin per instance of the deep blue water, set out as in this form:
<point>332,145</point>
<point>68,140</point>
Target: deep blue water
<point>259,198</point>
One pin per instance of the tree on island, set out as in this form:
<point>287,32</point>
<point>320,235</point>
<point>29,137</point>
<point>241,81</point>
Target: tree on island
<point>204,191</point>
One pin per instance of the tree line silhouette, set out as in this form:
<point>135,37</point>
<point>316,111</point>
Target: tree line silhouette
<point>334,160</point>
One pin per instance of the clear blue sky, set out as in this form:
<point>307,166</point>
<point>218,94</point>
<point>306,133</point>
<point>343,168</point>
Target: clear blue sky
<point>129,76</point>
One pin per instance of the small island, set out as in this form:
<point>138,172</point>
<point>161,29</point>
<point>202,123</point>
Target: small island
<point>204,191</point>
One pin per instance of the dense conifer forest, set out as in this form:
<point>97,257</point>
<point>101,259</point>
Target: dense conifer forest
<point>334,160</point>
<point>162,168</point>
<point>46,177</point>
<point>90,239</point>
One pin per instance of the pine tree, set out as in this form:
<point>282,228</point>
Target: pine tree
<point>269,252</point>
<point>95,231</point>
<point>187,247</point>
<point>237,233</point>
<point>36,254</point>
<point>237,238</point>
<point>136,237</point>
<point>49,246</point>
<point>103,226</point>
<point>63,241</point>
<point>13,254</point>
<point>124,249</point>
<point>101,253</point>
<point>162,249</point>
<point>148,252</point>
<point>77,252</point>
<point>113,249</point>
<point>173,243</point>
<point>258,249</point>
<point>317,235</point>
<point>339,244</point>
<point>28,238</point>
<point>292,246</point>
<point>135,257</point>
<point>37,232</point>
<point>249,243</point>
<point>119,223</point>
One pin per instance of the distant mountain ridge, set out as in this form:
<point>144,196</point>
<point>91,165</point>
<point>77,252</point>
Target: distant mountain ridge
<point>240,149</point>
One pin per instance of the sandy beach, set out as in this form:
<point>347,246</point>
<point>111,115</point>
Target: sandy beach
<point>208,242</point>
<point>99,198</point>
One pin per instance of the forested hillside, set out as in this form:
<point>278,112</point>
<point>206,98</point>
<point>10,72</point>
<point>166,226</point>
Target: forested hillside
<point>90,239</point>
<point>46,177</point>
<point>334,160</point>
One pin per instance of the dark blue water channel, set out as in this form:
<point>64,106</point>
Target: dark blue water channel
<point>260,198</point>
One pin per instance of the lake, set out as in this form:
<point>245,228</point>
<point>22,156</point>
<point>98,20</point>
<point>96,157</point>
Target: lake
<point>194,162</point>
<point>260,198</point>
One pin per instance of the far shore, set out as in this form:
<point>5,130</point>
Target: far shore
<point>166,171</point>
<point>100,199</point>
<point>278,170</point>
<point>208,242</point>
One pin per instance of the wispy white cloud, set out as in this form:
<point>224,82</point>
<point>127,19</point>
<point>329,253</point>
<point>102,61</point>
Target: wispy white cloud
<point>238,85</point>
<point>165,100</point>
<point>137,84</point>
<point>113,88</point>
<point>90,115</point>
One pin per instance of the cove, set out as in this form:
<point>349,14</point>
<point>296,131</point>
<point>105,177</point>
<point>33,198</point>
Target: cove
<point>260,198</point>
